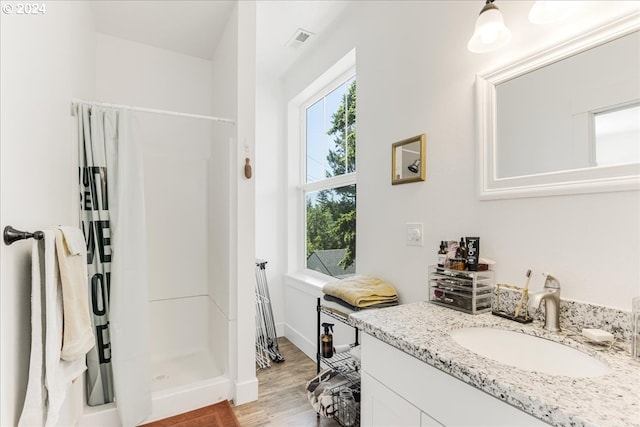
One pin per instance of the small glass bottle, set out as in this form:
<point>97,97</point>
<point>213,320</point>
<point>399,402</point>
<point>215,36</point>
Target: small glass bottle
<point>635,328</point>
<point>442,254</point>
<point>462,249</point>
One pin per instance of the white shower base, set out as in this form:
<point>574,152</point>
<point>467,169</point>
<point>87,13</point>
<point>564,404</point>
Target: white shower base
<point>180,371</point>
<point>178,400</point>
<point>177,387</point>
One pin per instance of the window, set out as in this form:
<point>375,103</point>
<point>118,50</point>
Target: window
<point>329,187</point>
<point>617,136</point>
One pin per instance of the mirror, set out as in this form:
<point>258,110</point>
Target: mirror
<point>564,121</point>
<point>408,160</point>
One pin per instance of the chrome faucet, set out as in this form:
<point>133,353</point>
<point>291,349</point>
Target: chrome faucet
<point>550,294</point>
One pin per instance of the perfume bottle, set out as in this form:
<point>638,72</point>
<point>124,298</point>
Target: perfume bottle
<point>442,254</point>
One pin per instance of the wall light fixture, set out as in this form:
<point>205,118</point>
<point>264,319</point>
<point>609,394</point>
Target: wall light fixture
<point>546,12</point>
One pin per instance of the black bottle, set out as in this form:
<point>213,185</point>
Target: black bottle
<point>473,253</point>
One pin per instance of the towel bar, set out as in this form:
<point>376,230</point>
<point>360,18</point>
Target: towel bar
<point>12,235</point>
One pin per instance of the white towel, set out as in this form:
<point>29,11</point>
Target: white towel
<point>34,410</point>
<point>49,376</point>
<point>77,337</point>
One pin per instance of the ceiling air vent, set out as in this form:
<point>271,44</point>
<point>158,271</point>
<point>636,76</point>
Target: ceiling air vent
<point>299,37</point>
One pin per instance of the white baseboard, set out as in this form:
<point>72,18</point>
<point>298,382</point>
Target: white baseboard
<point>246,392</point>
<point>280,329</point>
<point>300,341</point>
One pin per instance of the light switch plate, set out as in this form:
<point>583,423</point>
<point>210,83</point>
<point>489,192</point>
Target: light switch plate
<point>414,234</point>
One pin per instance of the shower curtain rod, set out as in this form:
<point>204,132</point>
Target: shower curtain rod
<point>152,110</point>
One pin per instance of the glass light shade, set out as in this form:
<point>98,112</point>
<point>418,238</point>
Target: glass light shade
<point>546,12</point>
<point>490,33</point>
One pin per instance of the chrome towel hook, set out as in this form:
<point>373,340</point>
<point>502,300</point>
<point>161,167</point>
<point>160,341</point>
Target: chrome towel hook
<point>12,235</point>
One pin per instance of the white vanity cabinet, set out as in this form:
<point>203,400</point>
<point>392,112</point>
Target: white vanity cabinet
<point>400,390</point>
<point>380,406</point>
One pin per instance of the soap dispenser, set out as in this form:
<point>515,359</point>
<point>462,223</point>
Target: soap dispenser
<point>327,340</point>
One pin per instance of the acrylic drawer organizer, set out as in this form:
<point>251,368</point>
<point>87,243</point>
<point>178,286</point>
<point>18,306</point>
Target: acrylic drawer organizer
<point>467,291</point>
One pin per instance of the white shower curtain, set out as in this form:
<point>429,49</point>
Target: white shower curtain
<point>113,220</point>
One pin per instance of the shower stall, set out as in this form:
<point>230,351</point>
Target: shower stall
<point>187,226</point>
<point>186,164</point>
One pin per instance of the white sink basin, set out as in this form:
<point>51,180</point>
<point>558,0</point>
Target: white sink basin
<point>528,352</point>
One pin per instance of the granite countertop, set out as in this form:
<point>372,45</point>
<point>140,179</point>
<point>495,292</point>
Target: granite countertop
<point>422,330</point>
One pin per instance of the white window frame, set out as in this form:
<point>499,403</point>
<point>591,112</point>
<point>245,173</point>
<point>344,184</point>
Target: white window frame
<point>297,187</point>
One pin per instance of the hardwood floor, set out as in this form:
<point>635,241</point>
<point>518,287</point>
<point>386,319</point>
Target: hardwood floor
<point>218,415</point>
<point>282,397</point>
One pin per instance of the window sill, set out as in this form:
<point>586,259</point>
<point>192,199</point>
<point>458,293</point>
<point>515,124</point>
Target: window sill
<point>307,281</point>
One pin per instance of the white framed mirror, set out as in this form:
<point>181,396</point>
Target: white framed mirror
<point>563,121</point>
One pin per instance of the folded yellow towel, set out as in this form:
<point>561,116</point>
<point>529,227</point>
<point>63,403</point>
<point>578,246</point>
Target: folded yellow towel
<point>78,336</point>
<point>361,290</point>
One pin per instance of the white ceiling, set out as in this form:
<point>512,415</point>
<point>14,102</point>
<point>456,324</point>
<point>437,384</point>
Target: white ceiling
<point>278,20</point>
<point>194,27</point>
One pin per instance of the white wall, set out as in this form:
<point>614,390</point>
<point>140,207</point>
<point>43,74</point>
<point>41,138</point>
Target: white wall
<point>234,95</point>
<point>46,60</point>
<point>137,74</point>
<point>415,75</point>
<point>246,383</point>
<point>270,200</point>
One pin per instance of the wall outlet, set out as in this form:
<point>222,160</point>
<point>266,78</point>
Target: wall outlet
<point>414,234</point>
